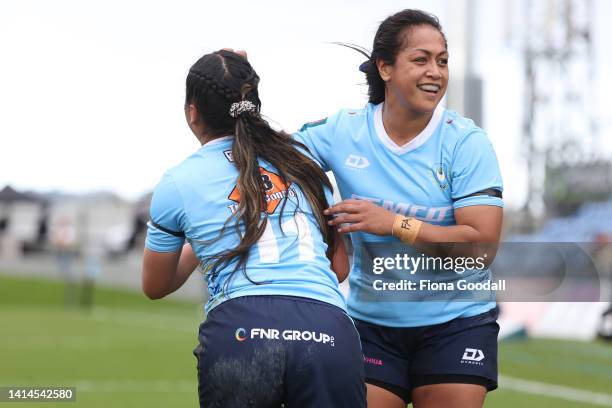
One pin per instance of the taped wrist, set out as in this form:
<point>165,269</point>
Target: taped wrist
<point>406,228</point>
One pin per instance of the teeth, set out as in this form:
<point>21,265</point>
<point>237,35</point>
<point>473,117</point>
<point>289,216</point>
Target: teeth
<point>430,88</point>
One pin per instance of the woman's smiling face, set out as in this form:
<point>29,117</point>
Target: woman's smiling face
<point>419,77</point>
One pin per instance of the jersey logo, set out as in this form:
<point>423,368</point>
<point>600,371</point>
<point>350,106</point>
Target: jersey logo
<point>356,162</point>
<point>440,172</point>
<point>313,124</point>
<point>275,189</point>
<point>472,356</point>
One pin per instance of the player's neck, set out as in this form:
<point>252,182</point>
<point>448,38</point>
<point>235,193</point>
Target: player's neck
<point>403,125</point>
<point>206,138</point>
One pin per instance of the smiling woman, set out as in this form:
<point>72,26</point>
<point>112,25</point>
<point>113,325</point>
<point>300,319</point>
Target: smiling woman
<point>436,178</point>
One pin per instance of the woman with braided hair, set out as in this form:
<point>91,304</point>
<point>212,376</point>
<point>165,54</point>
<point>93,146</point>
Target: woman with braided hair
<point>250,205</point>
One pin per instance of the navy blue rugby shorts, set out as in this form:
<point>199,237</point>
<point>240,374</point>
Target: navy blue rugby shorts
<point>264,351</point>
<point>463,350</point>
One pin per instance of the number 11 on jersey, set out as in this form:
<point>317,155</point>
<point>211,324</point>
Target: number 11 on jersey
<point>298,225</point>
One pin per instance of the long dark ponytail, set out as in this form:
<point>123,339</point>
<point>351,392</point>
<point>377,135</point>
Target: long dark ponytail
<point>214,83</point>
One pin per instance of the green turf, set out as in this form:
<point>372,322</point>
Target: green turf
<point>587,366</point>
<point>507,398</point>
<point>129,351</point>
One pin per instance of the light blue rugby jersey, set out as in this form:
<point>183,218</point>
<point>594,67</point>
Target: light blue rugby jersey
<point>427,178</point>
<point>197,197</point>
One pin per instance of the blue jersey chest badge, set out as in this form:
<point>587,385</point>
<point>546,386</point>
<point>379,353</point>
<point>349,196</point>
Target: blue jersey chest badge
<point>440,173</point>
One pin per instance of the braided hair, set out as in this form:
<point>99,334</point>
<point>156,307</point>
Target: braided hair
<point>214,83</point>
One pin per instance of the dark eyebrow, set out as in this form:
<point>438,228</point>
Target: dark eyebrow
<point>429,52</point>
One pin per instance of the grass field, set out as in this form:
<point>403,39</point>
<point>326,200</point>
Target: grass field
<point>128,351</point>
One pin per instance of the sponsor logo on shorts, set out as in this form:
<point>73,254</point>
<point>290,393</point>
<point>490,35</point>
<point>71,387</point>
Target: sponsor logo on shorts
<point>241,334</point>
<point>372,360</point>
<point>288,335</point>
<point>472,356</point>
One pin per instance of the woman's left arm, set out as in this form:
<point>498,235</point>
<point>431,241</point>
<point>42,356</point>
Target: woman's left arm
<point>478,224</point>
<point>476,234</point>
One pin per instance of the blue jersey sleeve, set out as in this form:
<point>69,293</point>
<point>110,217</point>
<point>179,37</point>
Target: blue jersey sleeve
<point>319,137</point>
<point>165,229</point>
<point>475,169</point>
<point>329,194</point>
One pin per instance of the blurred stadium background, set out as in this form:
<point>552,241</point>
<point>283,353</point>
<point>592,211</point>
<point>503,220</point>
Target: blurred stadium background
<point>71,311</point>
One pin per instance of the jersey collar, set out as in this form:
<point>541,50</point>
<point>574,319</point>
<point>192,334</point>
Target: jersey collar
<point>218,140</point>
<point>418,141</point>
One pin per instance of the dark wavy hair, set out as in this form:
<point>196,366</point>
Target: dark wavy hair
<point>216,81</point>
<point>388,42</point>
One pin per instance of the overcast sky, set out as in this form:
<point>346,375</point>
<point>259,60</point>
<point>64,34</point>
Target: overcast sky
<point>91,92</point>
